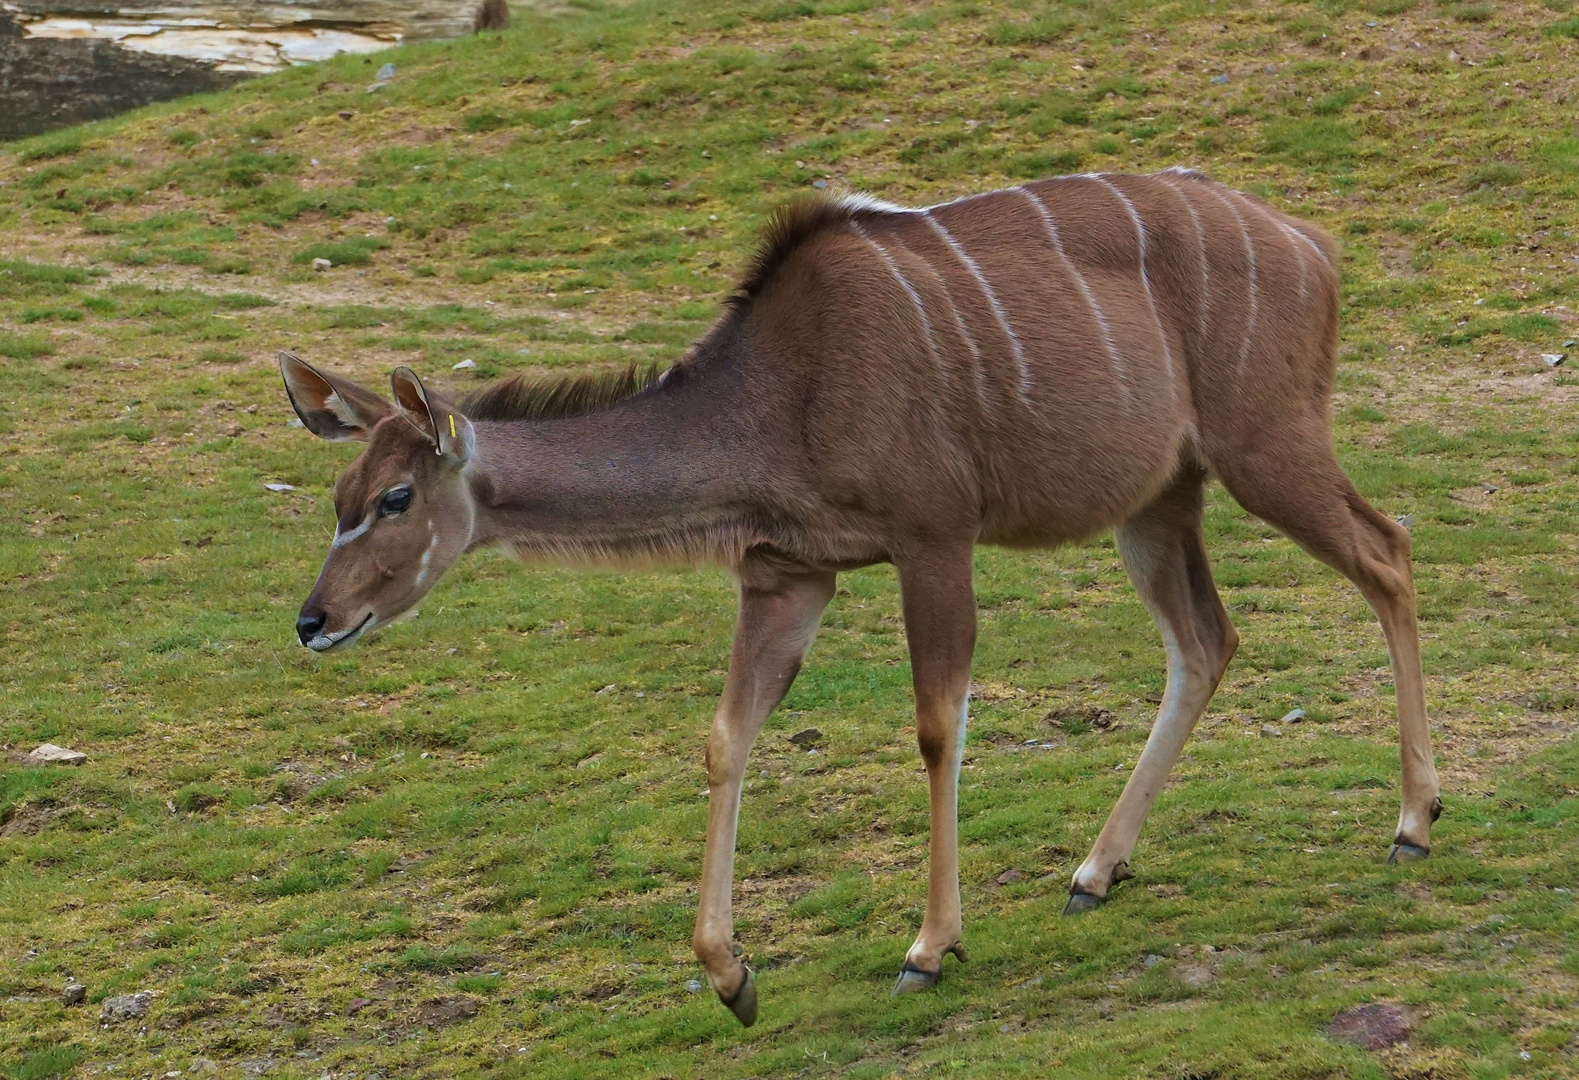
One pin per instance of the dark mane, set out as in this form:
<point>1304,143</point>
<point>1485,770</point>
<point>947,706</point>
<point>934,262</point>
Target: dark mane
<point>788,227</point>
<point>549,397</point>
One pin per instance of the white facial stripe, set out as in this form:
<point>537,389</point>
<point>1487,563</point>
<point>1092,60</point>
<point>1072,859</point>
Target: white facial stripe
<point>1250,252</point>
<point>342,539</point>
<point>992,300</point>
<point>427,557</point>
<point>1145,278</point>
<point>1084,287</point>
<point>1200,240</point>
<point>915,297</point>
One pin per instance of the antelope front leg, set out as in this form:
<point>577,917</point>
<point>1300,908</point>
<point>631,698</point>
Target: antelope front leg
<point>777,620</point>
<point>940,622</point>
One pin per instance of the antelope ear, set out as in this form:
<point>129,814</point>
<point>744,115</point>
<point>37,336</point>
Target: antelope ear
<point>434,416</point>
<point>330,407</point>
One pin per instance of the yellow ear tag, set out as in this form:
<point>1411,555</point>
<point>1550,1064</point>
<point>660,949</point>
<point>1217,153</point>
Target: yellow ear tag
<point>452,426</point>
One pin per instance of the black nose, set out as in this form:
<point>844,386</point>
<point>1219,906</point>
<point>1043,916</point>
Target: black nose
<point>309,626</point>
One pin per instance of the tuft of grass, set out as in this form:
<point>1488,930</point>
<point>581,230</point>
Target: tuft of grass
<point>49,1062</point>
<point>25,346</point>
<point>354,252</point>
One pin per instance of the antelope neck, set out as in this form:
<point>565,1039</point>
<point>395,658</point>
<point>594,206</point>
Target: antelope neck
<point>660,475</point>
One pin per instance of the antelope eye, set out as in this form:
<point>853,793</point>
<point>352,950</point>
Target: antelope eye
<point>396,500</point>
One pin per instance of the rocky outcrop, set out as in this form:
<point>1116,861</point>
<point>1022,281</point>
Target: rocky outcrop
<point>67,61</point>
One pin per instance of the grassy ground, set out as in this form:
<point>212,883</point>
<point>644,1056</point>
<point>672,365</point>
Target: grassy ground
<point>471,846</point>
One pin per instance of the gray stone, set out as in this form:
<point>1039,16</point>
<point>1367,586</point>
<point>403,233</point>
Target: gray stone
<point>1554,359</point>
<point>124,1007</point>
<point>807,737</point>
<point>1375,1026</point>
<point>1293,716</point>
<point>321,265</point>
<point>50,754</point>
<point>73,994</point>
<point>1271,731</point>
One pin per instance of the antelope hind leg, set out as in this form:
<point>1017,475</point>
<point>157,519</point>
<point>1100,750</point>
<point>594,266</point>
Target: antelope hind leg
<point>1165,556</point>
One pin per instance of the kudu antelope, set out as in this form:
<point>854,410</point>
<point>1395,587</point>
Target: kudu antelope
<point>1023,368</point>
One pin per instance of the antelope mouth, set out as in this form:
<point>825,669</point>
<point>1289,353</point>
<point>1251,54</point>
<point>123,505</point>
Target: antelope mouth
<point>341,638</point>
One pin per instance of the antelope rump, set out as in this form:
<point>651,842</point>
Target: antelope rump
<point>1023,367</point>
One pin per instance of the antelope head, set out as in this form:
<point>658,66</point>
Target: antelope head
<point>403,512</point>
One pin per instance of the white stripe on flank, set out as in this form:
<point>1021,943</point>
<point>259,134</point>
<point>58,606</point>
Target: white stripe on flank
<point>1200,240</point>
<point>992,299</point>
<point>1250,252</point>
<point>1321,253</point>
<point>342,539</point>
<point>1145,278</point>
<point>915,297</point>
<point>1084,287</point>
<point>964,332</point>
<point>1294,234</point>
<point>1304,272</point>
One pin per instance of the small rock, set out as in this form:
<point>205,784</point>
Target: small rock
<point>201,1065</point>
<point>1554,359</point>
<point>1220,80</point>
<point>464,365</point>
<point>819,184</point>
<point>346,114</point>
<point>1271,731</point>
<point>124,1007</point>
<point>321,265</point>
<point>73,994</point>
<point>1008,877</point>
<point>385,73</point>
<point>1293,716</point>
<point>357,1005</point>
<point>234,430</point>
<point>278,488</point>
<point>1407,521</point>
<point>806,738</point>
<point>1197,975</point>
<point>1374,1027</point>
<point>1152,960</point>
<point>693,986</point>
<point>1490,489</point>
<point>50,754</point>
<point>609,689</point>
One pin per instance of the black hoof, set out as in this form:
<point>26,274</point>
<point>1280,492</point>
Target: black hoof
<point>1081,902</point>
<point>1402,853</point>
<point>744,1002</point>
<point>912,980</point>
